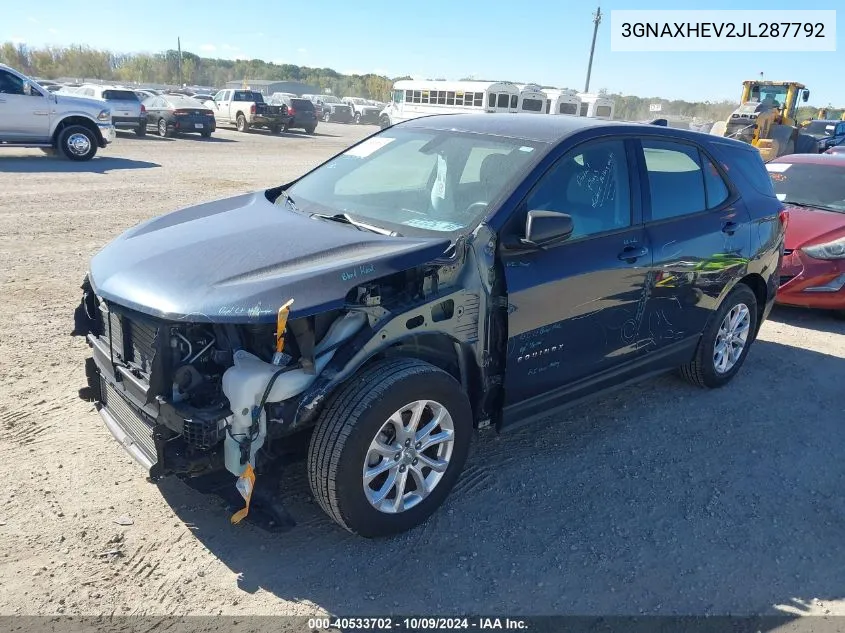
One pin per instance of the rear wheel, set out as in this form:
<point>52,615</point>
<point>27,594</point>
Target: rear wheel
<point>725,342</point>
<point>327,116</point>
<point>141,130</point>
<point>162,128</point>
<point>241,123</point>
<point>357,118</point>
<point>389,446</point>
<point>310,130</point>
<point>384,121</point>
<point>275,129</point>
<point>205,134</point>
<point>78,143</point>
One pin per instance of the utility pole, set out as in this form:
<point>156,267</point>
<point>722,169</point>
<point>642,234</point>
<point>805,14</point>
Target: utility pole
<point>596,22</point>
<point>179,46</point>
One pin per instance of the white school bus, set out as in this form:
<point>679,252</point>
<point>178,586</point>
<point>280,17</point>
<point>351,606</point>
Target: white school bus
<point>593,105</point>
<point>562,102</point>
<point>532,99</point>
<point>412,98</point>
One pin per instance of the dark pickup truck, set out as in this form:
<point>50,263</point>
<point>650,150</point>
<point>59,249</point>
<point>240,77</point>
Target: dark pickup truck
<point>448,273</point>
<point>246,109</point>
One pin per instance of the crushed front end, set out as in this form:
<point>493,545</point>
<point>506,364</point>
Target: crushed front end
<point>188,399</point>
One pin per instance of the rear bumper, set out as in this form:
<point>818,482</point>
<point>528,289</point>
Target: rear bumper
<point>186,127</point>
<point>341,117</point>
<point>262,120</point>
<point>370,117</point>
<point>129,123</point>
<point>812,283</point>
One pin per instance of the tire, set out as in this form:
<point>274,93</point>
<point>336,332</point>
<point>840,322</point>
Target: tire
<point>78,143</point>
<point>205,134</point>
<point>286,127</point>
<point>384,121</point>
<point>327,117</point>
<point>702,370</point>
<point>310,130</point>
<point>352,420</point>
<point>357,118</point>
<point>275,129</point>
<point>163,130</point>
<point>141,130</point>
<point>241,123</point>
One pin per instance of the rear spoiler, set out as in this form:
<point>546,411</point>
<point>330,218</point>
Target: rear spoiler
<point>663,122</point>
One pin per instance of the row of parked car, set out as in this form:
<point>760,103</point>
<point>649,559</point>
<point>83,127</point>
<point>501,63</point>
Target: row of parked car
<point>76,119</point>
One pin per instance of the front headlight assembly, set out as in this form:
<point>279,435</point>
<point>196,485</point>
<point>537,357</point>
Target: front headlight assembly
<point>828,250</point>
<point>104,116</point>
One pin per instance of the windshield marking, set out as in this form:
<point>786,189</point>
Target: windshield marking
<point>778,167</point>
<point>432,225</point>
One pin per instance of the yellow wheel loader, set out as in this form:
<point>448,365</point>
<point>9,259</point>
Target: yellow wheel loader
<point>766,119</point>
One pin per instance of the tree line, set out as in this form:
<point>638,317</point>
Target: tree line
<point>83,62</point>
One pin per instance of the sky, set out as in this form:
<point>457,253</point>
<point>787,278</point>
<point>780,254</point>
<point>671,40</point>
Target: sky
<point>545,41</point>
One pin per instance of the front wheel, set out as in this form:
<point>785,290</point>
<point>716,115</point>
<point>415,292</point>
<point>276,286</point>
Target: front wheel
<point>389,446</point>
<point>725,342</point>
<point>78,143</point>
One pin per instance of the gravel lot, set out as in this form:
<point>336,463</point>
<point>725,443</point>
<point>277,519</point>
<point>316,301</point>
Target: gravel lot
<point>659,499</point>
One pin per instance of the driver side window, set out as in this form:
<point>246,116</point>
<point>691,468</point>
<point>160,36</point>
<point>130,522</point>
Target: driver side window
<point>11,84</point>
<point>591,184</point>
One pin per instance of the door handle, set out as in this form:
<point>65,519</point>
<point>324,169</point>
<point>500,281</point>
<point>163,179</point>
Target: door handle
<point>730,227</point>
<point>631,254</point>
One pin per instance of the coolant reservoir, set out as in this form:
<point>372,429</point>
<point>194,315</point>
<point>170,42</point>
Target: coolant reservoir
<point>245,381</point>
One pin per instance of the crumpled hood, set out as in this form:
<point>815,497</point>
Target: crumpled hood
<point>239,259</point>
<point>812,226</point>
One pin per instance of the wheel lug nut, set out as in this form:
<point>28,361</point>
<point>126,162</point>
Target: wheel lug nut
<point>397,457</point>
<point>407,442</point>
<point>419,444</point>
<point>415,461</point>
<point>401,469</point>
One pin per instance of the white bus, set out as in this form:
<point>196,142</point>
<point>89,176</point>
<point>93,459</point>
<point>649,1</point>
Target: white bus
<point>532,99</point>
<point>411,99</point>
<point>593,105</point>
<point>562,102</point>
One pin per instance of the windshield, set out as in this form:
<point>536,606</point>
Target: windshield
<point>119,95</point>
<point>329,99</point>
<point>244,95</point>
<point>808,184</point>
<point>820,128</point>
<point>769,94</point>
<point>415,181</point>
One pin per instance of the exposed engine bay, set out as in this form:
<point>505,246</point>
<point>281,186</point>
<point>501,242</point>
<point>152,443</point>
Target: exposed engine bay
<point>194,385</point>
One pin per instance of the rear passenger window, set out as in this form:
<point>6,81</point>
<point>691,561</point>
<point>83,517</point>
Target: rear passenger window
<point>715,187</point>
<point>675,179</point>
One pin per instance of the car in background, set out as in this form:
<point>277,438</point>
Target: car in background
<point>826,132</point>
<point>171,114</point>
<point>812,186</point>
<point>32,116</point>
<point>362,111</point>
<point>144,93</point>
<point>126,107</point>
<point>303,111</point>
<point>333,109</point>
<point>836,149</point>
<point>414,308</point>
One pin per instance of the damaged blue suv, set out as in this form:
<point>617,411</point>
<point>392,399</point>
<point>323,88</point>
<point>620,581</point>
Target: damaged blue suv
<point>445,274</point>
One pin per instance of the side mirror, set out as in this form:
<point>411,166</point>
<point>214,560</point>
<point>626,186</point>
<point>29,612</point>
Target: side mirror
<point>545,228</point>
<point>805,95</point>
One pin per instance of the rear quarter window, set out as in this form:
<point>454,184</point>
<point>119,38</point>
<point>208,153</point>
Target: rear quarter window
<point>750,166</point>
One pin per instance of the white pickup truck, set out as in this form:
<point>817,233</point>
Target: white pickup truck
<point>31,116</point>
<point>246,109</point>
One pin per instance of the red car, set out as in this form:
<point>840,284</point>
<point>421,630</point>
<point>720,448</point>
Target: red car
<point>812,186</point>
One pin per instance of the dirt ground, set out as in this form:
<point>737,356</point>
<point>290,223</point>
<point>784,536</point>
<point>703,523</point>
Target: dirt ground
<point>660,499</point>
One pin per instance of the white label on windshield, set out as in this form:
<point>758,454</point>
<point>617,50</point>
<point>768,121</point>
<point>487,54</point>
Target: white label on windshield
<point>829,127</point>
<point>781,196</point>
<point>433,225</point>
<point>369,146</point>
<point>778,167</point>
<point>525,148</point>
<point>440,183</point>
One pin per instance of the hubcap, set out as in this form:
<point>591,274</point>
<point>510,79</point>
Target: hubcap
<point>78,144</point>
<point>731,338</point>
<point>408,456</point>
<point>162,127</point>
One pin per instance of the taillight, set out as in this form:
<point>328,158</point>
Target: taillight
<point>209,113</point>
<point>291,111</point>
<point>783,216</point>
<point>252,109</point>
<point>180,112</point>
<point>143,109</point>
